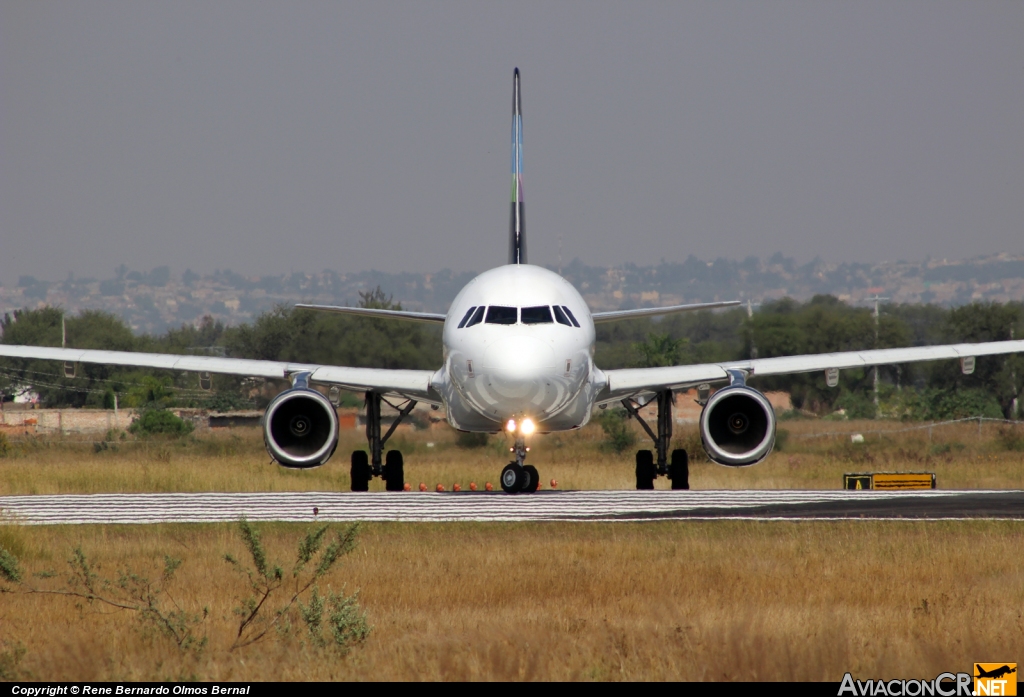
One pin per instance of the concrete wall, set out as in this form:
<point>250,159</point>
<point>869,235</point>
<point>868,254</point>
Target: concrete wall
<point>64,420</point>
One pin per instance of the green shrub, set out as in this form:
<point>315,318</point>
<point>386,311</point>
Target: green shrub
<point>781,438</point>
<point>856,405</point>
<point>619,437</point>
<point>159,421</point>
<point>1012,437</point>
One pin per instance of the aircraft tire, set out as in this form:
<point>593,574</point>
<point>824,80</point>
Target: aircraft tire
<point>394,471</point>
<point>531,480</point>
<point>679,469</point>
<point>360,471</point>
<point>512,477</point>
<point>644,469</point>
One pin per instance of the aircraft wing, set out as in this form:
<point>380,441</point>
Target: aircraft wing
<point>614,315</point>
<point>375,312</point>
<point>626,382</point>
<point>412,383</point>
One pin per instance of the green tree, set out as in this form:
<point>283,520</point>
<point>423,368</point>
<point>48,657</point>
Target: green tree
<point>998,376</point>
<point>89,329</point>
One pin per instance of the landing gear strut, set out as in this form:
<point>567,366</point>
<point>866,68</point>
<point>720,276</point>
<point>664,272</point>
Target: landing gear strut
<point>647,470</point>
<point>517,477</point>
<point>392,469</point>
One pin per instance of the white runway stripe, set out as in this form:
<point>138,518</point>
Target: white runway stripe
<point>479,506</point>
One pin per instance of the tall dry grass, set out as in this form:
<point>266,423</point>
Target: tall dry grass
<point>237,461</point>
<point>667,600</point>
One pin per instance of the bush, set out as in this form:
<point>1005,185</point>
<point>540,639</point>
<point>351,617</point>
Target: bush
<point>159,421</point>
<point>471,440</point>
<point>1012,437</point>
<point>856,405</point>
<point>228,401</point>
<point>619,437</point>
<point>5,445</point>
<point>781,438</point>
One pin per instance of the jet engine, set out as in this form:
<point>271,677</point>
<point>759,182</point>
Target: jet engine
<point>300,428</point>
<point>737,426</point>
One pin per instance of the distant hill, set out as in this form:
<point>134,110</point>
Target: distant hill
<point>153,301</point>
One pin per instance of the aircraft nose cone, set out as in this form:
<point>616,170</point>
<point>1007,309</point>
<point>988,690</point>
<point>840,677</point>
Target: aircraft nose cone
<point>516,368</point>
<point>518,357</point>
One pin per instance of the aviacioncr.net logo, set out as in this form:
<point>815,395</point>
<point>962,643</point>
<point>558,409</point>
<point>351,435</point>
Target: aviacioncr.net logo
<point>942,685</point>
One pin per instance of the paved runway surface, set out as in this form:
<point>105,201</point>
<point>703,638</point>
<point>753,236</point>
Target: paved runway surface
<point>480,506</point>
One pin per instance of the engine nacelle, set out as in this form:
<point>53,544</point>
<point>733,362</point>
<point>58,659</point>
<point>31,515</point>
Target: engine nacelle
<point>737,426</point>
<point>300,428</point>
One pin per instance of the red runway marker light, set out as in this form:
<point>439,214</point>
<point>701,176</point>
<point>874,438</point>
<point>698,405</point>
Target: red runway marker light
<point>472,486</point>
<point>440,487</point>
<point>316,510</point>
<point>407,487</point>
<point>423,487</point>
<point>540,485</point>
<point>488,486</point>
<point>456,487</point>
<point>554,483</point>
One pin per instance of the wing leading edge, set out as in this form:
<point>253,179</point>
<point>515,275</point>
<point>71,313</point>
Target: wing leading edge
<point>375,312</point>
<point>412,383</point>
<point>622,383</point>
<point>614,315</point>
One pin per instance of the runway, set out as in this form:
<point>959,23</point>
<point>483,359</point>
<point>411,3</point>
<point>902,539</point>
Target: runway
<point>580,506</point>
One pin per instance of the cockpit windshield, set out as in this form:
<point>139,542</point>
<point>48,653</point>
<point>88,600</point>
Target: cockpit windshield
<point>477,317</point>
<point>469,313</point>
<point>536,315</point>
<point>501,314</point>
<point>498,314</point>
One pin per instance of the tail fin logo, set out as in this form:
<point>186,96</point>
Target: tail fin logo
<point>517,233</point>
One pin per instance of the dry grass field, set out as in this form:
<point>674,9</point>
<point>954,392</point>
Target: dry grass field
<point>671,600</point>
<point>665,600</point>
<point>235,460</point>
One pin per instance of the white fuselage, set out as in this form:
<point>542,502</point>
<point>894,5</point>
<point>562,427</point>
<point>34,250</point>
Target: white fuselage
<point>506,363</point>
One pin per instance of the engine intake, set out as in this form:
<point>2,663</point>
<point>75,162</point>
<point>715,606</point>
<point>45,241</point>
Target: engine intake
<point>737,426</point>
<point>300,428</point>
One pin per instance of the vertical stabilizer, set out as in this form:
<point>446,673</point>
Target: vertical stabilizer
<point>517,234</point>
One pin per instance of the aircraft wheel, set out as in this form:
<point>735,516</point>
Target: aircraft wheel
<point>360,471</point>
<point>531,479</point>
<point>512,478</point>
<point>644,469</point>
<point>394,471</point>
<point>679,469</point>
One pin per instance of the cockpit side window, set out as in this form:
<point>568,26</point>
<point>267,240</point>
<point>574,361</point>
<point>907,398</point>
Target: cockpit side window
<point>569,314</point>
<point>536,315</point>
<point>560,316</point>
<point>497,314</point>
<point>477,316</point>
<point>469,313</point>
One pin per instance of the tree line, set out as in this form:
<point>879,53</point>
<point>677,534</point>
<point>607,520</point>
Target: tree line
<point>777,328</point>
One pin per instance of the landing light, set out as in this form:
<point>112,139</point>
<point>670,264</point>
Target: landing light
<point>511,426</point>
<point>527,427</point>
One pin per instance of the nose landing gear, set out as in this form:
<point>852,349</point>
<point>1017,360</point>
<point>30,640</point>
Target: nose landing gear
<point>519,478</point>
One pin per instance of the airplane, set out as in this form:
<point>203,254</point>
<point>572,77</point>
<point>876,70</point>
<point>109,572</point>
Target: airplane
<point>995,673</point>
<point>518,357</point>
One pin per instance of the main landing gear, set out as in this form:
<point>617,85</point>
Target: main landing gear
<point>678,468</point>
<point>519,478</point>
<point>364,467</point>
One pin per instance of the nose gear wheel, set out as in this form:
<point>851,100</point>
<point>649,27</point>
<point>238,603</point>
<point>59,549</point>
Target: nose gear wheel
<point>512,478</point>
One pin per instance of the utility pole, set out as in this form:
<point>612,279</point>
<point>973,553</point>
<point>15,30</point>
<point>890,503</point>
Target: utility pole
<point>876,300</point>
<point>750,318</point>
<point>1013,379</point>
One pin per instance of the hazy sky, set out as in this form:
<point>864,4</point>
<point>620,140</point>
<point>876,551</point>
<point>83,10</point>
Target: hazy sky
<point>270,137</point>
